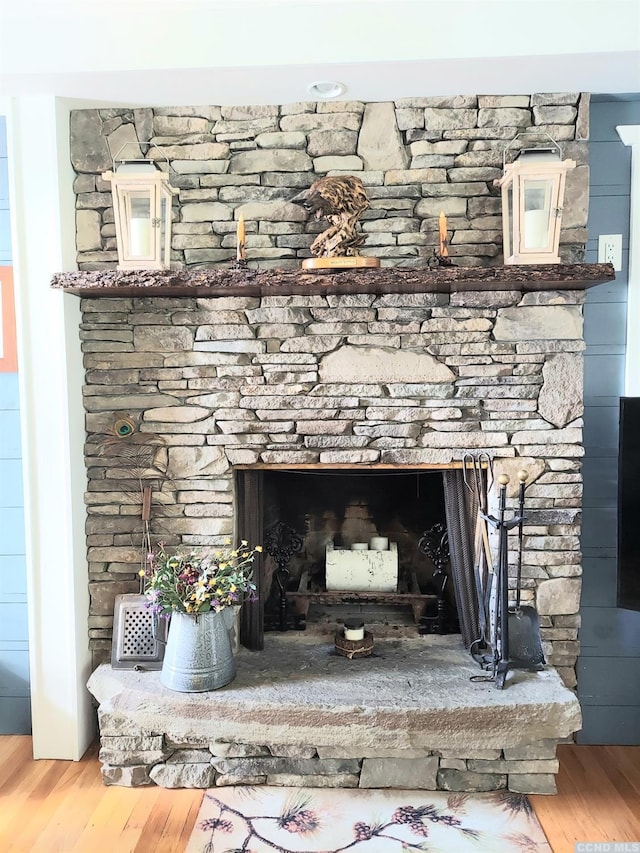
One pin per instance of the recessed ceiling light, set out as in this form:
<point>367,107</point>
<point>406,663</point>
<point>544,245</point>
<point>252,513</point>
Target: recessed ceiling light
<point>326,89</point>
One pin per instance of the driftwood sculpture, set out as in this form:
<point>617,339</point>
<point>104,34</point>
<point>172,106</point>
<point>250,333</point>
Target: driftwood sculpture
<point>341,200</point>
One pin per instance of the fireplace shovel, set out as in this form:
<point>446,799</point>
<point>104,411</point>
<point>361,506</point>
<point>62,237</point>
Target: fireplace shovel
<point>516,632</point>
<point>525,647</point>
<point>501,621</point>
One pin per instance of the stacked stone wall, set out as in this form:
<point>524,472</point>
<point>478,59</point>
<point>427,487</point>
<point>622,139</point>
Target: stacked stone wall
<point>137,760</point>
<point>417,157</point>
<point>397,379</point>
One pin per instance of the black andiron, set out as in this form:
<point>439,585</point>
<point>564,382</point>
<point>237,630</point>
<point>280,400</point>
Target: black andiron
<point>435,544</point>
<point>281,542</point>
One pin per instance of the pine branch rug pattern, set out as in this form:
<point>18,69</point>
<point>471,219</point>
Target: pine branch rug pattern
<point>311,820</point>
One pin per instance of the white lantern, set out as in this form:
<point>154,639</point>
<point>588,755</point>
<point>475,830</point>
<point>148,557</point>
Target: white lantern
<point>532,195</point>
<point>142,212</point>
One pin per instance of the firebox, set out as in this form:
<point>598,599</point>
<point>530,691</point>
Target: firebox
<point>386,545</point>
<point>344,541</point>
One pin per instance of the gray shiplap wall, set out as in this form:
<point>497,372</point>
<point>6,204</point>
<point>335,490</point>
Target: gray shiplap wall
<point>609,664</point>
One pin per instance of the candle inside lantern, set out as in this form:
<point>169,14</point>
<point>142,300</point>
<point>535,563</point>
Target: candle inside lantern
<point>444,251</point>
<point>240,255</point>
<point>140,238</point>
<point>536,229</point>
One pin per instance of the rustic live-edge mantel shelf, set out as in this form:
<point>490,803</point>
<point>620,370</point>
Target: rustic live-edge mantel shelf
<point>255,282</point>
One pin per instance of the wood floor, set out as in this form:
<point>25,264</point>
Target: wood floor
<point>63,807</point>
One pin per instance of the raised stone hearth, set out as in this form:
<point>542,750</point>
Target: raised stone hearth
<point>298,714</point>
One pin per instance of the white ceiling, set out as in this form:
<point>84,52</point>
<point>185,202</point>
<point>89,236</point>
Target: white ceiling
<point>187,52</point>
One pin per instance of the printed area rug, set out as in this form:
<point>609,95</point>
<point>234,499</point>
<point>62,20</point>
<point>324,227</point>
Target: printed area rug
<point>311,820</point>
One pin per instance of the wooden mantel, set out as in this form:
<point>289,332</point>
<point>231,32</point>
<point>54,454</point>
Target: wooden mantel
<point>256,282</point>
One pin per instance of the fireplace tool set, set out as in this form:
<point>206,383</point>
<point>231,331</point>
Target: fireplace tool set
<point>524,626</point>
<point>516,632</point>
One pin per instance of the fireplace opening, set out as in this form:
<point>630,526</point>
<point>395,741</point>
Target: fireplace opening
<point>388,547</point>
<point>371,545</point>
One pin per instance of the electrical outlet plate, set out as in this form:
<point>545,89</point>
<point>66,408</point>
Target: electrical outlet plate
<point>610,250</point>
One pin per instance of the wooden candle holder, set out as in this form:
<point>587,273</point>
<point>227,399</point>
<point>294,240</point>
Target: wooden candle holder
<point>354,648</point>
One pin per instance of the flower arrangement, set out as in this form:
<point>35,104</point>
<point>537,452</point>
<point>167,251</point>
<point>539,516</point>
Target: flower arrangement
<point>189,582</point>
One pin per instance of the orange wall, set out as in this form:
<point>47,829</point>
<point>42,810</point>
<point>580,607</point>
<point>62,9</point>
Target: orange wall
<point>8,354</point>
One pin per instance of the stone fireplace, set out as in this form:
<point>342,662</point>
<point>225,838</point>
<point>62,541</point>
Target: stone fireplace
<point>234,379</point>
<point>394,371</point>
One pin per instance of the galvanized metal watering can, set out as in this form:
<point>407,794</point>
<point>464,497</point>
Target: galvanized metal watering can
<point>199,654</point>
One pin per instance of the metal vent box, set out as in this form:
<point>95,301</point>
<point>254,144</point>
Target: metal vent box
<point>136,640</point>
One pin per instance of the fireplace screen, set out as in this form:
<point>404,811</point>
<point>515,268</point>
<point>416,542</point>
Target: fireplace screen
<point>395,539</point>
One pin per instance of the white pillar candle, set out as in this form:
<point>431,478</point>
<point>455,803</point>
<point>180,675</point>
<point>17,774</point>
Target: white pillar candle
<point>359,546</point>
<point>140,238</point>
<point>535,229</point>
<point>353,629</point>
<point>379,543</point>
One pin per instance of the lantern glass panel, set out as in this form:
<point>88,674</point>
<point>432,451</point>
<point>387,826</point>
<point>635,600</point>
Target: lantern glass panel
<point>508,198</point>
<point>139,221</point>
<point>537,213</point>
<point>163,221</point>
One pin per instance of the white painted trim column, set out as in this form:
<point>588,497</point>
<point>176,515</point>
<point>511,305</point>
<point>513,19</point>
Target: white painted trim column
<point>630,135</point>
<point>51,378</point>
